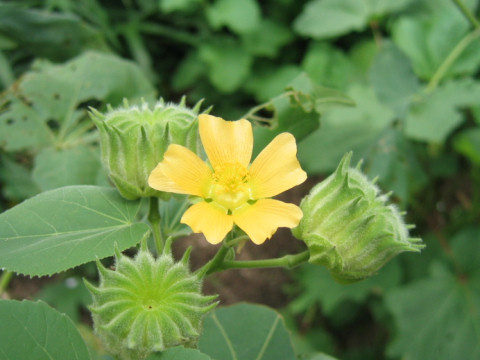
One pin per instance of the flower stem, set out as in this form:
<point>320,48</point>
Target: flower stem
<point>5,280</point>
<point>215,263</point>
<point>288,261</point>
<point>468,14</point>
<point>154,219</point>
<point>451,58</point>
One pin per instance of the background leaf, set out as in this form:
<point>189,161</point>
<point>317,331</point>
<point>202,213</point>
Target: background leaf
<point>180,353</point>
<point>344,129</point>
<point>245,331</point>
<point>63,228</point>
<point>439,317</point>
<point>31,330</point>
<point>47,104</point>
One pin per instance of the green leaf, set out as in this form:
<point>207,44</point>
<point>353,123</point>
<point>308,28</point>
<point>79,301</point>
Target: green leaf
<point>171,212</point>
<point>422,38</point>
<point>318,287</point>
<point>344,129</point>
<point>266,83</point>
<point>168,6</point>
<point>46,105</point>
<point>438,317</point>
<point>52,35</point>
<point>17,182</point>
<point>240,16</point>
<point>66,296</point>
<point>75,166</point>
<point>267,39</point>
<point>63,228</point>
<point>245,331</point>
<point>393,159</point>
<point>322,19</point>
<point>228,64</point>
<point>328,66</point>
<point>468,143</point>
<point>393,79</point>
<point>180,353</point>
<point>31,330</point>
<point>434,116</point>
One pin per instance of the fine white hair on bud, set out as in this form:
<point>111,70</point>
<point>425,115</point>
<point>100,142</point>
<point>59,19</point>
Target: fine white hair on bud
<point>148,304</point>
<point>133,140</point>
<point>349,227</point>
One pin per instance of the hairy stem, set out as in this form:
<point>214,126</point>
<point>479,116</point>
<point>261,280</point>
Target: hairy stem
<point>451,58</point>
<point>468,14</point>
<point>5,280</point>
<point>287,261</point>
<point>154,219</point>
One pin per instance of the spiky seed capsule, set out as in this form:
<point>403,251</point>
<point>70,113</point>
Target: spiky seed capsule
<point>134,139</point>
<point>349,228</point>
<point>147,305</point>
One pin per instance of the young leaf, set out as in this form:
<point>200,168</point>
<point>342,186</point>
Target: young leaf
<point>33,330</point>
<point>245,331</point>
<point>63,228</point>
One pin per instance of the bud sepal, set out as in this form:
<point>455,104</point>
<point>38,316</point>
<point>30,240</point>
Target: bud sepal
<point>134,139</point>
<point>148,304</point>
<point>348,226</point>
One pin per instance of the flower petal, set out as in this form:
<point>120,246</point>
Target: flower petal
<point>262,219</point>
<point>181,171</point>
<point>208,219</point>
<point>226,141</point>
<point>276,168</point>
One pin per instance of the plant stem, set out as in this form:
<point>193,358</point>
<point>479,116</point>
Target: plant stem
<point>5,280</point>
<point>456,52</point>
<point>288,261</point>
<point>154,219</point>
<point>216,262</point>
<point>468,14</point>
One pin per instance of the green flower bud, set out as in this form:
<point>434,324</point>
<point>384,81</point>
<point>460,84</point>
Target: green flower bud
<point>134,139</point>
<point>349,228</point>
<point>148,304</point>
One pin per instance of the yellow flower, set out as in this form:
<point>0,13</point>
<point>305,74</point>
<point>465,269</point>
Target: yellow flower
<point>232,190</point>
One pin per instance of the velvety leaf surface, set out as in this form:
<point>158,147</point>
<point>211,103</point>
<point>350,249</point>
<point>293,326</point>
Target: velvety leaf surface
<point>246,331</point>
<point>63,228</point>
<point>33,330</point>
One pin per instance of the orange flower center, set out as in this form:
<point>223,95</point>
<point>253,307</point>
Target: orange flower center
<point>230,185</point>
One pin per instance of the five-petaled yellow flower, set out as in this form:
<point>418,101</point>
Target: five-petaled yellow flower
<point>231,190</point>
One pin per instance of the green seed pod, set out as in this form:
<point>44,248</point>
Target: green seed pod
<point>134,139</point>
<point>148,304</point>
<point>349,228</point>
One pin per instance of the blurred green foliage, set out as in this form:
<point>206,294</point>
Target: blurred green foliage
<point>397,82</point>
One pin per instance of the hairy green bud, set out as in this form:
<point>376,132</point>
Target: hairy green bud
<point>349,228</point>
<point>147,304</point>
<point>134,139</point>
